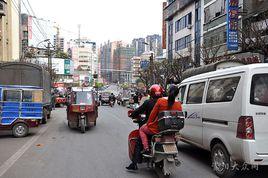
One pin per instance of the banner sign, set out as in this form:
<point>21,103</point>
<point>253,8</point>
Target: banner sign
<point>232,25</point>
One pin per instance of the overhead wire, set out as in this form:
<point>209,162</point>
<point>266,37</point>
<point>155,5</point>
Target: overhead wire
<point>44,36</point>
<point>35,16</point>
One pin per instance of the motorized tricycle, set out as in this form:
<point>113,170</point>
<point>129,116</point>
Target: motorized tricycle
<point>21,108</point>
<point>82,109</point>
<point>163,146</point>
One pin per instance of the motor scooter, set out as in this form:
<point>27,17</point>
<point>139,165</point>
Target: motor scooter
<point>163,146</point>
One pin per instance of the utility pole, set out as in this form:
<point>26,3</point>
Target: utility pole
<point>49,59</point>
<point>152,66</point>
<point>79,35</point>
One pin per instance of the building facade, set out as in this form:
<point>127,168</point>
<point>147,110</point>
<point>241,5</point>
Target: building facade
<point>106,56</point>
<point>139,46</point>
<point>9,31</point>
<point>135,68</point>
<point>184,28</point>
<point>154,43</point>
<point>122,64</point>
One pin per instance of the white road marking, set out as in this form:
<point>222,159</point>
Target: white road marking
<point>12,160</point>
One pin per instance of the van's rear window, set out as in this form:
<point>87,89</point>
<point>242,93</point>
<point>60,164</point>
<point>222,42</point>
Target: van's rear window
<point>259,90</point>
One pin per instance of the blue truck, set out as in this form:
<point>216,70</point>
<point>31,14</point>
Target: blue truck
<point>27,75</point>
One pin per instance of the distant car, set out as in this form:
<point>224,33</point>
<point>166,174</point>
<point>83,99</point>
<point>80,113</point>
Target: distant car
<point>105,98</point>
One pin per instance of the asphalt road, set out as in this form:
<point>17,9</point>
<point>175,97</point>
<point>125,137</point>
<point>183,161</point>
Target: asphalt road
<point>55,151</point>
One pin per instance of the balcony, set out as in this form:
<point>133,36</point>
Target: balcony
<point>174,7</point>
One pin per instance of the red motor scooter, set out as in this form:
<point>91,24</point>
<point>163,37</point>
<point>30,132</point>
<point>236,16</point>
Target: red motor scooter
<point>163,146</point>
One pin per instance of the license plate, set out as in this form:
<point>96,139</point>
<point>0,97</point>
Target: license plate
<point>82,108</point>
<point>170,148</point>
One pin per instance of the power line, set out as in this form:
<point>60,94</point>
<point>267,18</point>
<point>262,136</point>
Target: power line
<point>44,36</point>
<point>35,16</point>
<point>15,7</point>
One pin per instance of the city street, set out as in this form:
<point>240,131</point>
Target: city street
<point>55,151</point>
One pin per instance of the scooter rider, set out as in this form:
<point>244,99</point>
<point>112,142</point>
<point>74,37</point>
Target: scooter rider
<point>155,93</point>
<point>112,98</point>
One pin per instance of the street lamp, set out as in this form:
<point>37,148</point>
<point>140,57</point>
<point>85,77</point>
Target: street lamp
<point>49,62</point>
<point>46,40</point>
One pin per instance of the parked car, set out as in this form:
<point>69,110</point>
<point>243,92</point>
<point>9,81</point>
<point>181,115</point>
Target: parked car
<point>226,113</point>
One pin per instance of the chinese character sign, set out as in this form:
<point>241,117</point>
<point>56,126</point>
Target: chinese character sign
<point>232,25</point>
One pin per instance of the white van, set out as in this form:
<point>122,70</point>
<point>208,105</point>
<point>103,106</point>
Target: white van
<point>227,113</point>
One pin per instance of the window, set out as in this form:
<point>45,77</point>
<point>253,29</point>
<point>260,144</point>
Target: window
<point>195,93</point>
<point>222,90</point>
<point>214,10</point>
<point>183,43</point>
<point>181,93</point>
<point>12,95</point>
<point>27,96</point>
<point>259,90</point>
<point>183,22</point>
<point>84,97</point>
<point>189,19</point>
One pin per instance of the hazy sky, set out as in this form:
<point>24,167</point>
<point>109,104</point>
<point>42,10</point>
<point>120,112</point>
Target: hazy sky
<point>103,20</point>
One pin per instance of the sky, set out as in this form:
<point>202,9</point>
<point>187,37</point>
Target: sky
<point>103,20</point>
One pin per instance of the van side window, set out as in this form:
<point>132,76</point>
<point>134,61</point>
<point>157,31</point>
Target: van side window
<point>222,90</point>
<point>259,90</point>
<point>181,93</point>
<point>195,93</point>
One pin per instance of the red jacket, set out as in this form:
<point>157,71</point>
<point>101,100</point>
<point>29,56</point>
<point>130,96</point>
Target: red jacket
<point>161,105</point>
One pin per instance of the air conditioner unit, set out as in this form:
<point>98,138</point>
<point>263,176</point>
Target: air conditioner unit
<point>2,8</point>
<point>189,26</point>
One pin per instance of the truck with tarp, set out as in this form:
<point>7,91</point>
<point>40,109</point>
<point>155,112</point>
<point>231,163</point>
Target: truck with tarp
<point>22,74</point>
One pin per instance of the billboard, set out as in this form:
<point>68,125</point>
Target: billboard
<point>232,25</point>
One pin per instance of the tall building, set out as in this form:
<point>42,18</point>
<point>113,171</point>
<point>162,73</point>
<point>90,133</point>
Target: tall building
<point>122,64</point>
<point>135,68</point>
<point>106,56</point>
<point>139,45</point>
<point>154,44</point>
<point>184,28</point>
<point>59,43</point>
<point>9,31</point>
<point>84,55</point>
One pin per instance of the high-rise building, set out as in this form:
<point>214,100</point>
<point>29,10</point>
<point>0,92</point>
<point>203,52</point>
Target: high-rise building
<point>59,43</point>
<point>122,63</point>
<point>9,30</point>
<point>106,56</point>
<point>139,46</point>
<point>154,43</point>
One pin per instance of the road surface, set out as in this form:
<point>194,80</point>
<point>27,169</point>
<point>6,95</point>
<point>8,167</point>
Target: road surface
<point>55,151</point>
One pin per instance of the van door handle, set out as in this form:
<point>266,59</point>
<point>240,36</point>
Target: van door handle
<point>185,114</point>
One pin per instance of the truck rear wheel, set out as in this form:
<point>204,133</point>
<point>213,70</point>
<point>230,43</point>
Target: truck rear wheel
<point>44,119</point>
<point>20,130</point>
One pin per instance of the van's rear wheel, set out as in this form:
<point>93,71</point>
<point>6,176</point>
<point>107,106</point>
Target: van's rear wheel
<point>20,130</point>
<point>221,162</point>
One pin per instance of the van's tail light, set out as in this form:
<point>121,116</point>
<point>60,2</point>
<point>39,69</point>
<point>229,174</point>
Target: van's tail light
<point>245,128</point>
